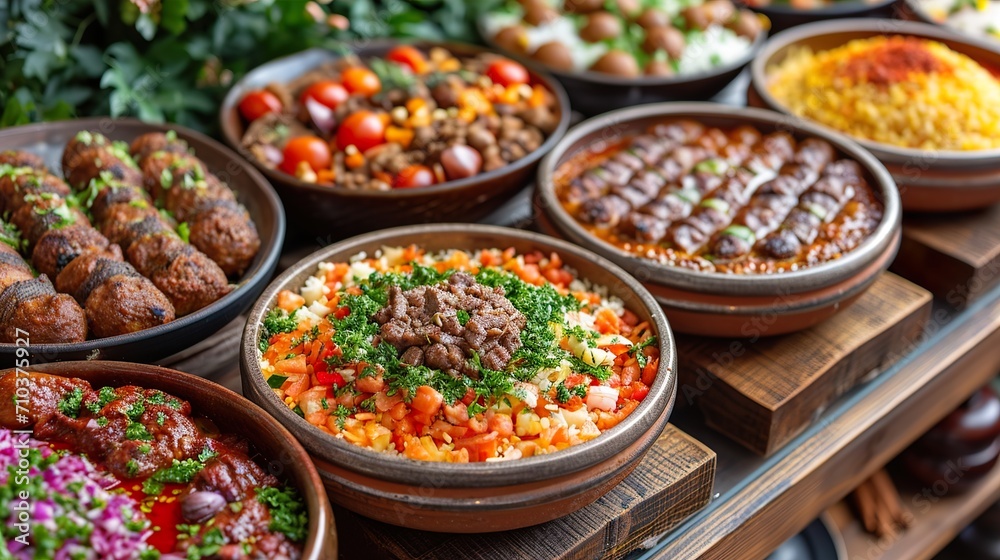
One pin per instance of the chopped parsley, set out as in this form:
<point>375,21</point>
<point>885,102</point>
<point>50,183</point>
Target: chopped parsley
<point>132,468</point>
<point>70,403</point>
<point>636,350</point>
<point>564,393</point>
<point>288,512</point>
<point>342,412</point>
<point>160,418</point>
<point>462,316</point>
<point>180,472</point>
<point>135,410</point>
<point>174,404</point>
<point>276,322</point>
<point>137,431</point>
<point>102,421</point>
<point>184,231</point>
<point>145,448</point>
<point>158,397</point>
<point>207,454</point>
<point>211,542</point>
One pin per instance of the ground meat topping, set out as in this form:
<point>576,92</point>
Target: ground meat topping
<point>444,326</point>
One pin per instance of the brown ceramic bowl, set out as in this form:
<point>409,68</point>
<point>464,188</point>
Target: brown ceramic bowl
<point>321,210</point>
<point>929,181</point>
<point>593,93</point>
<point>783,15</point>
<point>716,304</point>
<point>271,444</point>
<point>252,190</point>
<point>473,497</point>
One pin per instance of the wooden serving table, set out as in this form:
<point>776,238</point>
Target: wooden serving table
<point>793,423</point>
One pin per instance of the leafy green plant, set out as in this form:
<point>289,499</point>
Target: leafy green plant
<point>172,60</point>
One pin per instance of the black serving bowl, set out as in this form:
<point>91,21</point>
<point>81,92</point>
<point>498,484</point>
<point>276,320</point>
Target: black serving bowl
<point>49,139</point>
<point>783,16</point>
<point>593,93</point>
<point>472,497</point>
<point>323,210</point>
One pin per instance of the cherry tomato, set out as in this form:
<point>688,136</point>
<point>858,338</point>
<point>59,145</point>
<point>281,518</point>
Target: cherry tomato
<point>310,149</point>
<point>256,104</point>
<point>414,176</point>
<point>408,56</point>
<point>331,378</point>
<point>361,81</point>
<point>327,92</point>
<point>507,72</point>
<point>363,129</point>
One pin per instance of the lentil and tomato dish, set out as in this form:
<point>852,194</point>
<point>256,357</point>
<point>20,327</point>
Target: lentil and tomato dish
<point>410,119</point>
<point>457,356</point>
<point>899,90</point>
<point>127,473</point>
<point>730,200</point>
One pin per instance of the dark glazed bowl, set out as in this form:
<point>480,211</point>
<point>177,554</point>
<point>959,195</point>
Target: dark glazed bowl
<point>593,93</point>
<point>929,181</point>
<point>150,345</point>
<point>276,449</point>
<point>783,16</point>
<point>473,497</point>
<point>321,210</point>
<point>716,304</point>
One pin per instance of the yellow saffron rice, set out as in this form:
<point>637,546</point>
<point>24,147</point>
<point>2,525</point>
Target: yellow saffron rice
<point>902,91</point>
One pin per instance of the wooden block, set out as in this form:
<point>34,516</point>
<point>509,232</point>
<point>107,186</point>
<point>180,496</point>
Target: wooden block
<point>956,257</point>
<point>673,481</point>
<point>764,392</point>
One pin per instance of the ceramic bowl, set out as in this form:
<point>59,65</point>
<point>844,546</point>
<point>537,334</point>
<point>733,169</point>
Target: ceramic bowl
<point>715,304</point>
<point>473,497</point>
<point>272,445</point>
<point>783,16</point>
<point>252,190</point>
<point>929,181</point>
<point>321,210</point>
<point>593,93</point>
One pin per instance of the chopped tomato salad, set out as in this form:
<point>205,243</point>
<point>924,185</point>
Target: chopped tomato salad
<point>457,356</point>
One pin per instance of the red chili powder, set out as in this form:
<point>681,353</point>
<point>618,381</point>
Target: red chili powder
<point>893,60</point>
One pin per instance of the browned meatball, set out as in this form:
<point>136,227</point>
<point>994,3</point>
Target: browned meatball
<point>18,158</point>
<point>555,54</point>
<point>58,247</point>
<point>100,161</point>
<point>35,308</point>
<point>125,223</point>
<point>15,186</point>
<point>37,217</point>
<point>124,302</point>
<point>666,38</point>
<point>13,268</point>
<point>152,142</point>
<point>75,274</point>
<point>163,170</point>
<point>116,192</point>
<point>227,235</point>
<point>188,278</point>
<point>185,202</point>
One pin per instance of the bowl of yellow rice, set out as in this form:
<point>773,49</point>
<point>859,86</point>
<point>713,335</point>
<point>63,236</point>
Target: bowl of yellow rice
<point>924,101</point>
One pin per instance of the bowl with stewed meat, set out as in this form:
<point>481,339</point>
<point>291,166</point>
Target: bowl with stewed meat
<point>125,240</point>
<point>394,133</point>
<point>740,222</point>
<point>462,378</point>
<point>130,461</point>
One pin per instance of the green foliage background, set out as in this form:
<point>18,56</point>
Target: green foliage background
<point>174,60</point>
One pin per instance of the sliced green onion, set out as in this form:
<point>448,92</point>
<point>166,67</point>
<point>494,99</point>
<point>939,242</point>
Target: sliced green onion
<point>742,232</point>
<point>276,381</point>
<point>815,209</point>
<point>715,166</point>
<point>691,196</point>
<point>717,203</point>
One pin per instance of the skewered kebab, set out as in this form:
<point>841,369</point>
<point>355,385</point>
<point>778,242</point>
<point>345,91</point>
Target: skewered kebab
<point>181,184</point>
<point>58,236</point>
<point>30,308</point>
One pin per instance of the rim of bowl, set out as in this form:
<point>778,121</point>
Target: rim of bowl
<point>364,49</point>
<point>813,277</point>
<point>610,80</point>
<point>270,249</point>
<point>836,8</point>
<point>876,26</point>
<point>147,375</point>
<point>457,475</point>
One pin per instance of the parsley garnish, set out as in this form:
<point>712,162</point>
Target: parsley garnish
<point>180,472</point>
<point>288,513</point>
<point>160,418</point>
<point>462,316</point>
<point>275,322</point>
<point>564,393</point>
<point>69,404</point>
<point>636,350</point>
<point>341,413</point>
<point>137,431</point>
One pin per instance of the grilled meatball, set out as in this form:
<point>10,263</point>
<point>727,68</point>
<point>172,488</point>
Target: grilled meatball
<point>111,193</point>
<point>125,223</point>
<point>36,218</point>
<point>33,307</point>
<point>227,235</point>
<point>13,268</point>
<point>151,142</point>
<point>17,185</point>
<point>18,158</point>
<point>75,274</point>
<point>188,278</point>
<point>58,247</point>
<point>100,161</point>
<point>186,202</point>
<point>164,170</point>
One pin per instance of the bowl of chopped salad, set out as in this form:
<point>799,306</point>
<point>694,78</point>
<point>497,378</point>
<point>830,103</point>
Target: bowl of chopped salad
<point>462,378</point>
<point>124,461</point>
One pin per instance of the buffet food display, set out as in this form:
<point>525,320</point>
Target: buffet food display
<point>409,119</point>
<point>626,39</point>
<point>457,356</point>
